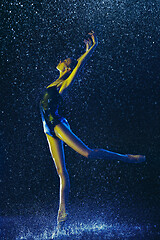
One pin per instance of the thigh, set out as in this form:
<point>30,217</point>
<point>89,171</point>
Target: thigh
<point>57,152</point>
<point>66,135</point>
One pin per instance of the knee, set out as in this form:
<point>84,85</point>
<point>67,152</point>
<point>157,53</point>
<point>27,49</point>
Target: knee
<point>89,153</point>
<point>64,179</point>
<point>92,153</point>
<point>62,173</point>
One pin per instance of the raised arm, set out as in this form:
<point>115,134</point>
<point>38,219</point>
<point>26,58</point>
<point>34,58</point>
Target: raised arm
<point>90,47</point>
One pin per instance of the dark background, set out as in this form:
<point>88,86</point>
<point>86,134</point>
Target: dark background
<point>114,104</point>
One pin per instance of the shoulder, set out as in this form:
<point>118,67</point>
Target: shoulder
<point>56,83</point>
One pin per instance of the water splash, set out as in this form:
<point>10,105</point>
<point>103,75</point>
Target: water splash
<point>95,230</point>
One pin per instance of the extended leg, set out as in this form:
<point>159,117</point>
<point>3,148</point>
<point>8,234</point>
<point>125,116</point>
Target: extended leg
<point>108,155</point>
<point>65,134</point>
<point>57,152</point>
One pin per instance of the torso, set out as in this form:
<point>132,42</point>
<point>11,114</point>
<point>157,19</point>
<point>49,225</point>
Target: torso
<point>50,102</point>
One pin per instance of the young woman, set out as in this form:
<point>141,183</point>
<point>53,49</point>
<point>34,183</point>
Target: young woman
<point>58,131</point>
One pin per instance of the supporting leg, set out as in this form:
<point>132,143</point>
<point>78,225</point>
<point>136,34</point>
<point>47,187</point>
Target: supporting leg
<point>57,152</point>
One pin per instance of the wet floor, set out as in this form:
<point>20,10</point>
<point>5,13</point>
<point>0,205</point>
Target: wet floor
<point>87,222</point>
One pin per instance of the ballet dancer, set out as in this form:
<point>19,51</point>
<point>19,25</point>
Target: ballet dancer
<point>58,131</point>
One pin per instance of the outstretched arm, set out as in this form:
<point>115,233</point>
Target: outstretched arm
<point>90,47</point>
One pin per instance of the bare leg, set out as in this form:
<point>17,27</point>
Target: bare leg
<point>57,152</point>
<point>66,135</point>
<point>108,155</point>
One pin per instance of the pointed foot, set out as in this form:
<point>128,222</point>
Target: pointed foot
<point>61,220</point>
<point>61,225</point>
<point>62,216</point>
<point>136,158</point>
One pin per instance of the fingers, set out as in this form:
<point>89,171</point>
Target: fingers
<point>88,43</point>
<point>93,36</point>
<point>94,40</point>
<point>85,41</point>
<point>91,33</point>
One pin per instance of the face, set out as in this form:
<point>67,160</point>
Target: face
<point>62,66</point>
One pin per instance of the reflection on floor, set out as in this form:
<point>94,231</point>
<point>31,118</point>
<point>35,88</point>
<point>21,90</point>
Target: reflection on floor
<point>87,222</point>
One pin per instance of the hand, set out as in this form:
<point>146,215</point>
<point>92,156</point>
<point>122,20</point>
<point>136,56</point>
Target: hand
<point>88,42</point>
<point>94,38</point>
